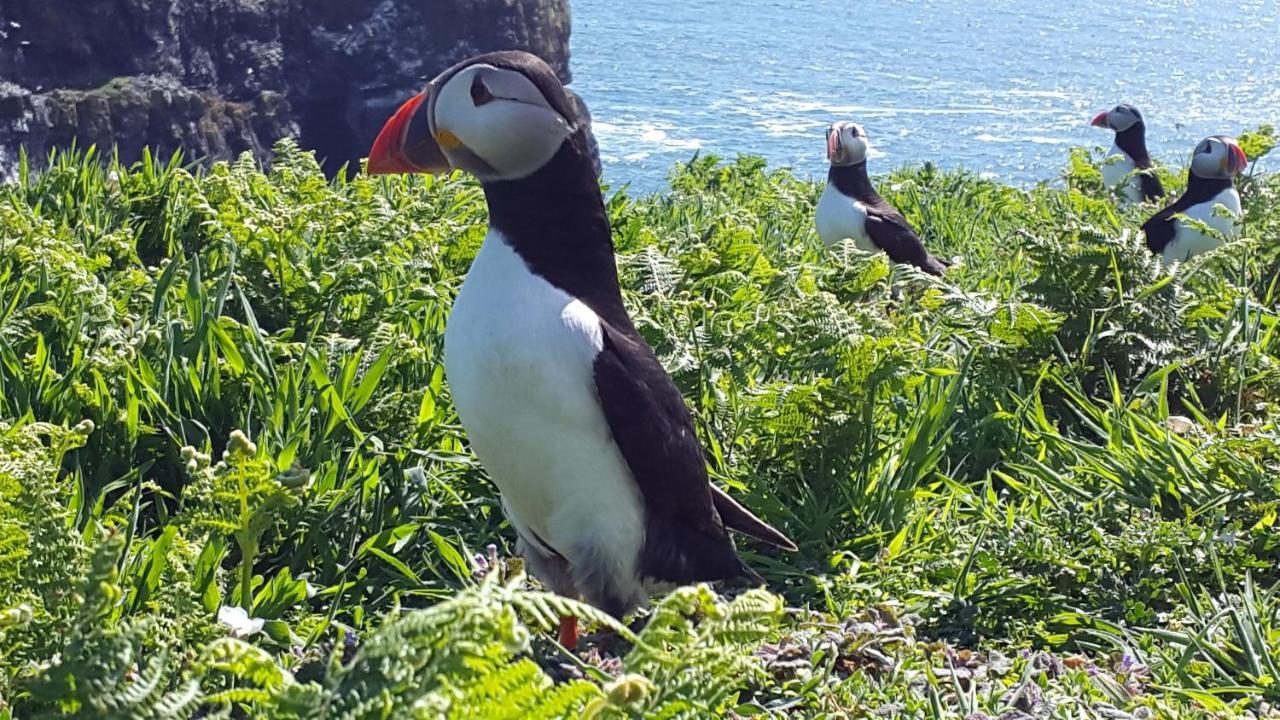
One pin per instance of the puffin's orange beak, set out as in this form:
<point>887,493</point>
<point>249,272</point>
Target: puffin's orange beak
<point>833,145</point>
<point>394,152</point>
<point>1100,120</point>
<point>1239,161</point>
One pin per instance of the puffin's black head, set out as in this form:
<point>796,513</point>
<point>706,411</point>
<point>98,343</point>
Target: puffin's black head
<point>1120,118</point>
<point>498,116</point>
<point>847,143</point>
<point>1218,157</point>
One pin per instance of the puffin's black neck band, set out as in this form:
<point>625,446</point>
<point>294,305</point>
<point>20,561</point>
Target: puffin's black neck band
<point>852,181</point>
<point>1201,190</point>
<point>1133,142</point>
<point>556,221</point>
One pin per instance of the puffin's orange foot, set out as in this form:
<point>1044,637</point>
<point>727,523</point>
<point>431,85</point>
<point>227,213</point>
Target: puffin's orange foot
<point>569,632</point>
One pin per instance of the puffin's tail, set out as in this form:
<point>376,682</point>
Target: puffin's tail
<point>932,265</point>
<point>736,517</point>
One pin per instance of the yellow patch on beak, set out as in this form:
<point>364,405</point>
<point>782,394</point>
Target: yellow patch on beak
<point>447,140</point>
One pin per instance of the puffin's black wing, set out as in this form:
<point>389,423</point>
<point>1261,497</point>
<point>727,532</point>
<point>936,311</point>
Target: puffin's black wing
<point>685,518</point>
<point>1160,229</point>
<point>1150,185</point>
<point>891,233</point>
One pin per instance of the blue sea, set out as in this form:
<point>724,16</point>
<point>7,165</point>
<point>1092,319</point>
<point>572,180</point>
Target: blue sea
<point>1002,88</point>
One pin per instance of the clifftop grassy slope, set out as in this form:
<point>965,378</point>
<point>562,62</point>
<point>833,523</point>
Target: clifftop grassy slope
<point>1044,486</point>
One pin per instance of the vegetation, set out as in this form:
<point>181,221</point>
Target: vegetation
<point>232,482</point>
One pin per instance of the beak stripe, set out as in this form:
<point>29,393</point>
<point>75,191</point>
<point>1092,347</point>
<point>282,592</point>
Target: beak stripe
<point>1239,159</point>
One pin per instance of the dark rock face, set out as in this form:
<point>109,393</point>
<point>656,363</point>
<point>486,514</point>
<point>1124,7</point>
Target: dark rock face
<point>219,77</point>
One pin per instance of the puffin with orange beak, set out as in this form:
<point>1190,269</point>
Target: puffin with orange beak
<point>1215,163</point>
<point>1128,165</point>
<point>850,208</point>
<point>588,440</point>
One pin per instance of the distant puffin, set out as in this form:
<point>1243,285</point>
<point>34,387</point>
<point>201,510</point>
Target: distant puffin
<point>1210,183</point>
<point>1129,162</point>
<point>580,427</point>
<point>851,208</point>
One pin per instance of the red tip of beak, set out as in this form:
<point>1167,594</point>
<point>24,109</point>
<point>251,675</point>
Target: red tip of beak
<point>1100,120</point>
<point>1239,159</point>
<point>387,155</point>
<point>569,632</point>
<point>833,145</point>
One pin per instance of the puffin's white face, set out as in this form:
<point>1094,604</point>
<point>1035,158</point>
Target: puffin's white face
<point>492,122</point>
<point>1120,118</point>
<point>1218,157</point>
<point>846,143</point>
<point>496,124</point>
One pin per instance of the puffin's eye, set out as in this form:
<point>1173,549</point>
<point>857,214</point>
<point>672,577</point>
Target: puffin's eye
<point>479,92</point>
<point>1206,149</point>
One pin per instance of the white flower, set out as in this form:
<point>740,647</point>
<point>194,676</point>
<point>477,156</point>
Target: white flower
<point>1179,425</point>
<point>18,616</point>
<point>240,445</point>
<point>238,622</point>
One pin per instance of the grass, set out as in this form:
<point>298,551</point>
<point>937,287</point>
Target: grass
<point>1044,486</point>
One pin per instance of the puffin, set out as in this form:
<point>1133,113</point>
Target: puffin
<point>589,442</point>
<point>1128,162</point>
<point>1215,163</point>
<point>851,208</point>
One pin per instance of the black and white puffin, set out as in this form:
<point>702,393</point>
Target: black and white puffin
<point>585,435</point>
<point>1128,163</point>
<point>851,208</point>
<point>1215,163</point>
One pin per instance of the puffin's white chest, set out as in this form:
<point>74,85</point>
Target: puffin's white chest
<point>1118,168</point>
<point>839,217</point>
<point>1188,241</point>
<point>518,355</point>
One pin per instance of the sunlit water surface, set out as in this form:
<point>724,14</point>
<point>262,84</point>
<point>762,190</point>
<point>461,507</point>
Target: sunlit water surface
<point>1002,88</point>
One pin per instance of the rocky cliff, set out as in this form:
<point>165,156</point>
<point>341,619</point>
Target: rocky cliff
<point>218,77</point>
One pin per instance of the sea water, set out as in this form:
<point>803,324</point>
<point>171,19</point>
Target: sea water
<point>1002,88</point>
